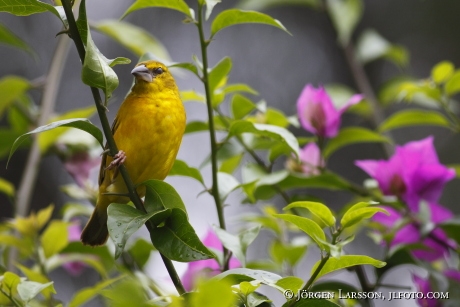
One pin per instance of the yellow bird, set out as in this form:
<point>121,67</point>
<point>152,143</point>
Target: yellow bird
<point>148,130</point>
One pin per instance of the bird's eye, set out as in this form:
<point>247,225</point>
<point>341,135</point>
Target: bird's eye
<point>158,71</point>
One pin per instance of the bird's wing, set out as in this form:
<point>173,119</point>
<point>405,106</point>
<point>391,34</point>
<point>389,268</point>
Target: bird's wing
<point>103,167</point>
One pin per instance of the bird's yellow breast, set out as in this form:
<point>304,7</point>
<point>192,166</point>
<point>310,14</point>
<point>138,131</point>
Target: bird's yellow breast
<point>149,130</point>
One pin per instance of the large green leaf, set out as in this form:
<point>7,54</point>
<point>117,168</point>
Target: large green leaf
<point>50,137</point>
<point>240,275</point>
<point>335,264</point>
<point>9,38</point>
<point>89,293</point>
<point>29,7</point>
<point>178,5</point>
<point>180,168</point>
<point>79,123</point>
<point>176,239</point>
<point>134,38</point>
<point>310,227</point>
<point>54,238</point>
<point>408,118</point>
<point>442,72</point>
<point>233,17</point>
<point>97,71</point>
<point>27,290</point>
<point>241,106</point>
<point>213,292</point>
<point>280,134</point>
<point>239,244</point>
<point>218,73</point>
<point>345,15</point>
<point>196,126</point>
<point>124,220</point>
<point>352,135</point>
<point>161,195</point>
<point>12,88</point>
<point>359,212</point>
<point>319,210</point>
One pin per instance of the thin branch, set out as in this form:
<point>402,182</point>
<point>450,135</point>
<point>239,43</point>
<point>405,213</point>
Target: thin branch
<point>212,132</point>
<point>111,142</point>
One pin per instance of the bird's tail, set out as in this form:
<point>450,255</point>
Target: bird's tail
<point>95,232</point>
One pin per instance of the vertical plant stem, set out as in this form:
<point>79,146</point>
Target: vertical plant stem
<point>212,132</point>
<point>111,142</point>
<point>48,102</point>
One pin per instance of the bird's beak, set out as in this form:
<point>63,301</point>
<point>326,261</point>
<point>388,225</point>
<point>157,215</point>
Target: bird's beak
<point>142,72</point>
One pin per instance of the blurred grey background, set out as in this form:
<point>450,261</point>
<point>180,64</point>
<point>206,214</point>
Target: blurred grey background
<point>274,63</point>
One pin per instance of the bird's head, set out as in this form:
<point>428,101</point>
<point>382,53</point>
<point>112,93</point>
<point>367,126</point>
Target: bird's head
<point>153,74</point>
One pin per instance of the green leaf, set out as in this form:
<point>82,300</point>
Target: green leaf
<point>178,5</point>
<point>352,135</point>
<point>29,289</point>
<point>161,195</point>
<point>180,168</point>
<point>196,126</point>
<point>289,253</point>
<point>227,184</point>
<point>134,38</point>
<point>130,291</point>
<point>124,220</point>
<point>213,293</point>
<point>37,277</point>
<point>231,164</point>
<point>187,66</point>
<point>241,106</point>
<point>319,210</point>
<point>49,138</point>
<point>372,46</point>
<point>54,238</point>
<point>310,227</point>
<point>237,276</point>
<point>10,283</point>
<point>335,264</point>
<point>12,88</point>
<point>140,251</point>
<point>411,117</point>
<point>239,244</point>
<point>312,303</point>
<point>276,117</point>
<point>9,38</point>
<point>452,229</point>
<point>292,283</point>
<point>7,188</point>
<point>359,212</point>
<point>89,293</point>
<point>29,7</point>
<point>219,73</point>
<point>345,15</point>
<point>233,17</point>
<point>452,86</point>
<point>177,240</point>
<point>442,72</point>
<point>79,123</point>
<point>280,134</point>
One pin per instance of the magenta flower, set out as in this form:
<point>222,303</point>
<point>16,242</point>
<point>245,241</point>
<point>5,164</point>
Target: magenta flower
<point>413,173</point>
<point>410,233</point>
<point>310,156</point>
<point>76,267</point>
<point>317,114</point>
<point>452,274</point>
<point>206,268</point>
<point>79,166</point>
<point>423,285</point>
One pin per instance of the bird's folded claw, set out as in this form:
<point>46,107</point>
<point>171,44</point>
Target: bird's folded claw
<point>118,160</point>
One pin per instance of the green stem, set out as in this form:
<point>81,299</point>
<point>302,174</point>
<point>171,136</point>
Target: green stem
<point>113,150</point>
<point>212,132</point>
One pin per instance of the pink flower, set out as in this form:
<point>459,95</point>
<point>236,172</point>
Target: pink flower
<point>76,267</point>
<point>317,114</point>
<point>410,233</point>
<point>310,156</point>
<point>80,164</point>
<point>413,173</point>
<point>423,285</point>
<point>206,268</point>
